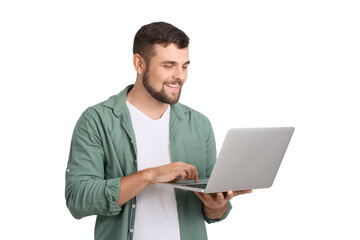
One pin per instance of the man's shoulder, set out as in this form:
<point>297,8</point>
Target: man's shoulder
<point>102,108</point>
<point>114,105</point>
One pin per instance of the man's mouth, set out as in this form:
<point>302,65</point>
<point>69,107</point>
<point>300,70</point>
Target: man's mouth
<point>172,85</point>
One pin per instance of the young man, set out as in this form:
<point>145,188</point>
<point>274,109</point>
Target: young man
<point>122,147</point>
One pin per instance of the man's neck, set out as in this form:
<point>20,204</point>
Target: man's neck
<point>142,100</point>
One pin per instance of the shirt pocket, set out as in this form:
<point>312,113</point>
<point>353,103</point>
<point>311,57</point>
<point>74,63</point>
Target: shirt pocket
<point>195,153</point>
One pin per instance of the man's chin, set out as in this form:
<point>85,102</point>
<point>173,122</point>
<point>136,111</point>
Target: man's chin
<point>164,96</point>
<point>171,101</point>
<point>174,98</point>
<point>168,97</point>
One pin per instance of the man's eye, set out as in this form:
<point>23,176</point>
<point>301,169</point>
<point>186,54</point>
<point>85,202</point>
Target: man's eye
<point>167,66</point>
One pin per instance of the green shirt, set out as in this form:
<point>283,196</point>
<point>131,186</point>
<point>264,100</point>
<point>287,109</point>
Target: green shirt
<point>103,150</point>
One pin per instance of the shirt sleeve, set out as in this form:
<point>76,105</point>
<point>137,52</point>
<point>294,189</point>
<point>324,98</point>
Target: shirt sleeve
<point>210,149</point>
<point>210,162</point>
<point>86,191</point>
<point>208,220</point>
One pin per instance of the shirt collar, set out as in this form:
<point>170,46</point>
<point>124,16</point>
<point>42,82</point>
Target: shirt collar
<point>118,104</point>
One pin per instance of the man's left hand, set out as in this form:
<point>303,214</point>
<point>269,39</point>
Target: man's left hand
<point>215,204</point>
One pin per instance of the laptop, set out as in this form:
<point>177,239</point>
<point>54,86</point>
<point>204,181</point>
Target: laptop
<point>249,159</point>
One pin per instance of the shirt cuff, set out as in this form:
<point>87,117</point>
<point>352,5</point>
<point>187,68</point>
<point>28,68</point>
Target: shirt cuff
<point>208,220</point>
<point>112,191</point>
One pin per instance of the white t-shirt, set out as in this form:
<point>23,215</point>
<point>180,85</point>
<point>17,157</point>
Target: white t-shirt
<point>156,215</point>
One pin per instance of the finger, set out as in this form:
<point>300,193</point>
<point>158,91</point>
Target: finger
<point>242,192</point>
<point>209,196</point>
<point>229,195</point>
<point>183,175</point>
<point>192,173</point>
<point>196,178</point>
<point>220,196</point>
<point>195,174</point>
<point>200,195</point>
<point>189,173</point>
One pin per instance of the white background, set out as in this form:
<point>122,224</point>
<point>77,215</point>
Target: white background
<point>253,64</point>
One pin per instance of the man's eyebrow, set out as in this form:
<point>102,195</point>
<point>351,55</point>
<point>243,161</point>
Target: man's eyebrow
<point>174,62</point>
<point>168,62</point>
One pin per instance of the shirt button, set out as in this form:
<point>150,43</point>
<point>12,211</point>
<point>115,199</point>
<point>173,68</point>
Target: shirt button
<point>133,206</point>
<point>68,170</point>
<point>131,230</point>
<point>135,161</point>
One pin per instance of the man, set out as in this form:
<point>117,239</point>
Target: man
<point>122,147</point>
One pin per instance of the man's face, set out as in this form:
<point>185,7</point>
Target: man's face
<point>166,72</point>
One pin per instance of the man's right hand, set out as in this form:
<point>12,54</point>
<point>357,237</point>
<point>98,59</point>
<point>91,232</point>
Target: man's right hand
<point>173,172</point>
<point>133,184</point>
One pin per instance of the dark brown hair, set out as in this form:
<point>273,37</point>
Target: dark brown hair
<point>158,33</point>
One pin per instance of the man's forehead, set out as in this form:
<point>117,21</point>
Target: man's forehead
<point>171,52</point>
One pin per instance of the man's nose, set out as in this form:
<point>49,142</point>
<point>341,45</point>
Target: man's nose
<point>179,73</point>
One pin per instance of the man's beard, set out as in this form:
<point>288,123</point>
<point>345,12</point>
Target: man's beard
<point>161,95</point>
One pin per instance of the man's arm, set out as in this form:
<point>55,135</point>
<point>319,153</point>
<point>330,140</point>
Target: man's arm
<point>133,184</point>
<point>87,191</point>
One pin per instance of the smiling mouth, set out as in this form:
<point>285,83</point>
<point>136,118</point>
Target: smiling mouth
<point>172,85</point>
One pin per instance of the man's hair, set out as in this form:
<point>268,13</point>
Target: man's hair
<point>158,33</point>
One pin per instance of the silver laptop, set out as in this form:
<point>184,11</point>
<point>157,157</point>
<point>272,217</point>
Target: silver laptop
<point>249,159</point>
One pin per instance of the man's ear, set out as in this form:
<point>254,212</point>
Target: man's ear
<point>139,64</point>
